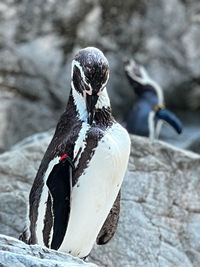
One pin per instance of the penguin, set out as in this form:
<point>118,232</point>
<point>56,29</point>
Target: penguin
<point>148,112</point>
<point>75,198</point>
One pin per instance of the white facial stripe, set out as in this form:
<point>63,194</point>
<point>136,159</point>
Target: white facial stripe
<point>78,65</point>
<point>80,103</point>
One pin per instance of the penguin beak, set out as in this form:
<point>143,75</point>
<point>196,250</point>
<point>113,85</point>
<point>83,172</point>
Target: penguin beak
<point>170,118</point>
<point>91,101</point>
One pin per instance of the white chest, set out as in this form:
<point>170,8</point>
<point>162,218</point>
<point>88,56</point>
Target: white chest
<point>96,190</point>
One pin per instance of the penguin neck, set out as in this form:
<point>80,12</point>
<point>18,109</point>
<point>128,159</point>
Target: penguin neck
<point>79,103</point>
<point>149,97</point>
<point>102,109</point>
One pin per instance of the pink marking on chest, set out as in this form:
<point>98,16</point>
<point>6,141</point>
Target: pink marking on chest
<point>64,156</point>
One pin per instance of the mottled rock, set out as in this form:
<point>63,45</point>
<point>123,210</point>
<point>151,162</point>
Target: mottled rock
<point>27,103</point>
<point>16,253</point>
<point>160,208</point>
<point>38,40</point>
<point>17,171</point>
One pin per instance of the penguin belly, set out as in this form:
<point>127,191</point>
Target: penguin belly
<point>95,192</point>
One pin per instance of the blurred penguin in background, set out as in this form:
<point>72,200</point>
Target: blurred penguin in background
<point>148,112</point>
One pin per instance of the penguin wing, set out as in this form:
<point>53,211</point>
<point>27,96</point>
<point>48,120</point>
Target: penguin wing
<point>59,185</point>
<point>169,117</point>
<point>110,225</point>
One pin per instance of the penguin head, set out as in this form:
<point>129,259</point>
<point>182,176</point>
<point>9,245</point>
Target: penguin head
<point>141,81</point>
<point>90,73</point>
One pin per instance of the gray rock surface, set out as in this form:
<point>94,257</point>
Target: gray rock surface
<point>160,212</point>
<point>194,145</point>
<point>160,208</point>
<point>17,170</point>
<point>38,40</point>
<point>17,254</point>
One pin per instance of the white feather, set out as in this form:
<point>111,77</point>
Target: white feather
<point>81,141</point>
<point>158,128</point>
<point>103,100</point>
<point>94,194</point>
<point>42,203</point>
<point>151,125</point>
<point>79,103</point>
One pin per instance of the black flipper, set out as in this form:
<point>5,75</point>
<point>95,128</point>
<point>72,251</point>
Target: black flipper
<point>166,115</point>
<point>59,186</point>
<point>110,225</point>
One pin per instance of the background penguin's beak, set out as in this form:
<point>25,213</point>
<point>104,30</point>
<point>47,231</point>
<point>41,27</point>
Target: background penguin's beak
<point>169,117</point>
<point>91,101</point>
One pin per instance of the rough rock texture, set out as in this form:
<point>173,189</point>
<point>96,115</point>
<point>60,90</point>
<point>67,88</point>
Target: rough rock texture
<point>17,170</point>
<point>191,131</point>
<point>160,215</point>
<point>194,145</point>
<point>39,38</point>
<point>160,211</point>
<point>15,253</point>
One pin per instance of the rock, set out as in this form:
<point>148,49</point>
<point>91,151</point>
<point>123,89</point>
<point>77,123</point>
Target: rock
<point>160,208</point>
<point>194,145</point>
<point>19,118</point>
<point>38,41</point>
<point>27,103</point>
<point>16,253</point>
<point>17,171</point>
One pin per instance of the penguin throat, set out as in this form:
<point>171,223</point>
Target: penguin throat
<point>102,104</point>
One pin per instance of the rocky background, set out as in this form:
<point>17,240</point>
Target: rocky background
<point>160,208</point>
<point>16,253</point>
<point>38,40</point>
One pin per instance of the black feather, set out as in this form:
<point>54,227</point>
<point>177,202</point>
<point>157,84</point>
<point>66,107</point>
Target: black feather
<point>59,186</point>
